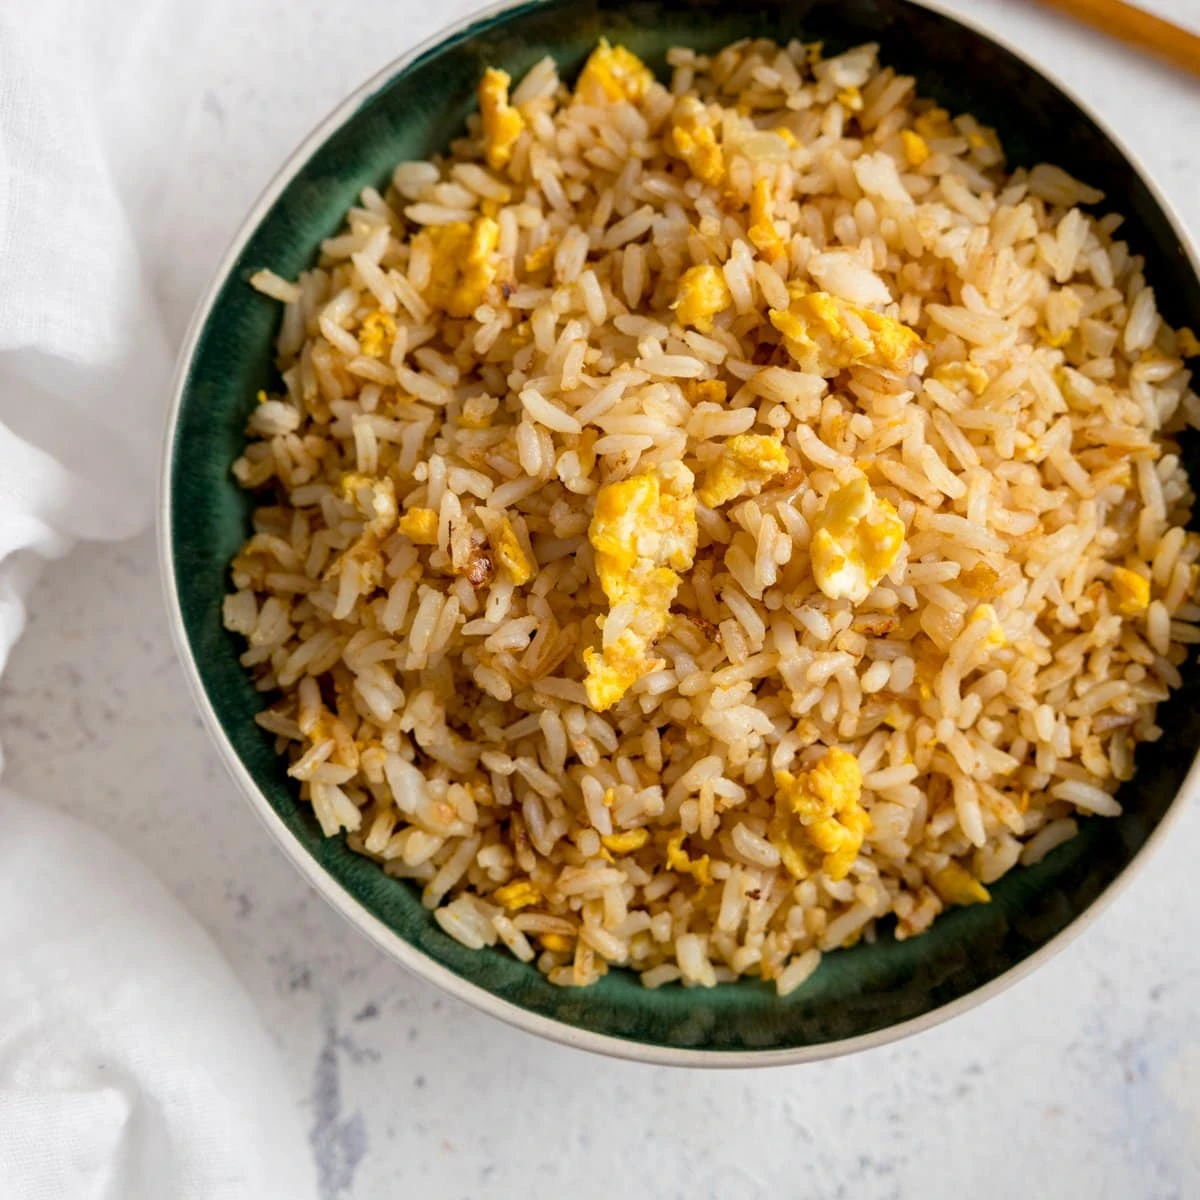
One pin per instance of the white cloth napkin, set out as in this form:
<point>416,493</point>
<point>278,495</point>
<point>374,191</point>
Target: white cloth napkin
<point>132,1065</point>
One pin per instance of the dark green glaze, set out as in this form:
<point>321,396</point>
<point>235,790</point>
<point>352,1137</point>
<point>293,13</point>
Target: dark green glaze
<point>415,114</point>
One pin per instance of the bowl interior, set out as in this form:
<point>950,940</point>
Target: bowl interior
<point>415,114</point>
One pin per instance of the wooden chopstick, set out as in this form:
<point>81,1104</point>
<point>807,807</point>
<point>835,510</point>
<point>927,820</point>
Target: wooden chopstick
<point>1136,27</point>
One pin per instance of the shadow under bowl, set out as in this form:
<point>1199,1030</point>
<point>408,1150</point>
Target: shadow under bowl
<point>861,996</point>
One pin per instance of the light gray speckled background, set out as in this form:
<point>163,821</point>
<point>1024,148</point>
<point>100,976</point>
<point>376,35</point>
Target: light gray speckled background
<point>1083,1081</point>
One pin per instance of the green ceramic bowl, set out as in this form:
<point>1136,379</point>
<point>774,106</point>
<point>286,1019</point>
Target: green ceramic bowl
<point>858,997</point>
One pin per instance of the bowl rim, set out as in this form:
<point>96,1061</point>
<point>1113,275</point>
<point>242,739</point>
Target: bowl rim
<point>366,922</point>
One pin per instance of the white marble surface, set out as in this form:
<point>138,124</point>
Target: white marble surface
<point>1083,1081</point>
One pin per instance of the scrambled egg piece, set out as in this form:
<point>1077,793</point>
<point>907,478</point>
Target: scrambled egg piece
<point>955,374</point>
<point>934,124</point>
<point>956,885</point>
<point>644,533</point>
<point>1055,340</point>
<point>612,673</point>
<point>857,537</point>
<point>327,726</point>
<point>826,802</point>
<point>502,124</point>
<point>762,231</point>
<point>376,334</point>
<point>702,294</point>
<point>995,634</point>
<point>420,526</point>
<point>788,136</point>
<point>916,148</point>
<point>521,893</point>
<point>678,860</point>
<point>850,99</point>
<point>1188,343</point>
<point>463,266</point>
<point>977,139</point>
<point>612,74</point>
<point>510,555</point>
<point>375,500</point>
<point>625,843</point>
<point>380,511</point>
<point>556,943</point>
<point>535,260</point>
<point>747,462</point>
<point>825,335</point>
<point>693,140</point>
<point>1132,591</point>
<point>980,580</point>
<point>697,390</point>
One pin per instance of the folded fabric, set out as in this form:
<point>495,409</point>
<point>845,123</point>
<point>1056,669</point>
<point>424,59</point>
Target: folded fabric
<point>132,1064</point>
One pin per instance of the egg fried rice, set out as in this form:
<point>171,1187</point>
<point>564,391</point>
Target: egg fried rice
<point>700,522</point>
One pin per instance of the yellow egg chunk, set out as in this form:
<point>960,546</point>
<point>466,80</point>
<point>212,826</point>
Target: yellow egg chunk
<point>712,390</point>
<point>612,74</point>
<point>613,671</point>
<point>679,860</point>
<point>353,483</point>
<point>377,333</point>
<point>747,461</point>
<point>375,499</point>
<point>1055,340</point>
<point>645,521</point>
<point>762,231</point>
<point>702,294</point>
<point>540,258</point>
<point>478,270</point>
<point>981,579</point>
<point>1132,591</point>
<point>379,510</point>
<point>643,531</point>
<point>857,536</point>
<point>995,635</point>
<point>826,799</point>
<point>693,140</point>
<point>983,137</point>
<point>1188,343</point>
<point>521,893</point>
<point>916,148</point>
<point>625,843</point>
<point>511,557</point>
<point>831,785</point>
<point>420,526</point>
<point>850,99</point>
<point>934,123</point>
<point>826,334</point>
<point>956,885</point>
<point>502,124</point>
<point>958,373</point>
<point>463,266</point>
